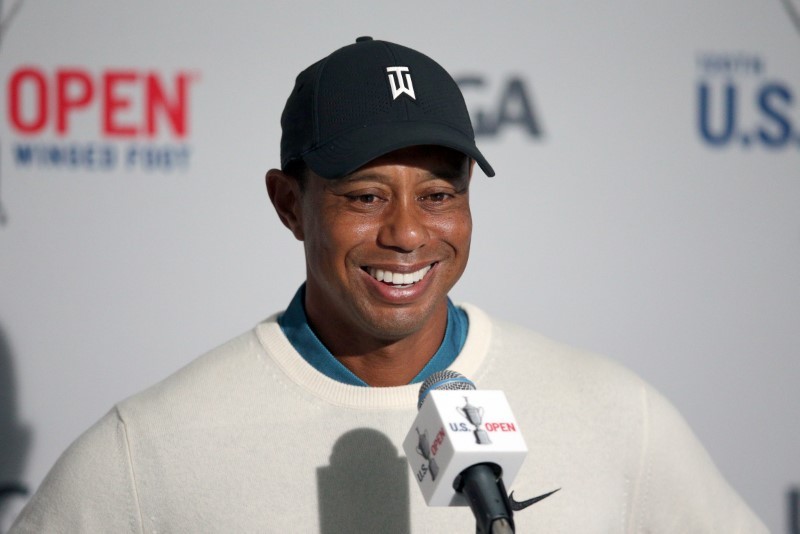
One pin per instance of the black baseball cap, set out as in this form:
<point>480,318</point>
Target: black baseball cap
<point>368,99</point>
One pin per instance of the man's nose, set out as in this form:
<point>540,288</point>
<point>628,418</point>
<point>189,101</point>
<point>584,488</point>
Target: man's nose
<point>403,228</point>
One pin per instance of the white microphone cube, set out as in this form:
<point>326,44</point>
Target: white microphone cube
<point>455,430</point>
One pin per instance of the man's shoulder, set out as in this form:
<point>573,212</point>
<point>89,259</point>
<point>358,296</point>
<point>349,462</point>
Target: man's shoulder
<point>520,354</point>
<point>207,382</point>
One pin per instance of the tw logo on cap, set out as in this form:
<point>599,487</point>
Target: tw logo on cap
<point>400,80</point>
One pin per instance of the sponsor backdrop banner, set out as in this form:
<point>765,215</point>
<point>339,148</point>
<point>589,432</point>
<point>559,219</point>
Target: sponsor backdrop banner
<point>646,204</point>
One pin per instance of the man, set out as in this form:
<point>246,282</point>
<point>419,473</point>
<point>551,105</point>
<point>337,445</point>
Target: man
<point>297,425</point>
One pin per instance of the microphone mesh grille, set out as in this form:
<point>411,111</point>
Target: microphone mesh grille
<point>444,380</point>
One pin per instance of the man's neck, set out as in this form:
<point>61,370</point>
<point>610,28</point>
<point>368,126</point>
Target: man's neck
<point>395,364</point>
<point>379,362</point>
<point>384,363</point>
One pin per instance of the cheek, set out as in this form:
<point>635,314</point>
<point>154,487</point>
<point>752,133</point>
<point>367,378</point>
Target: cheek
<point>335,237</point>
<point>456,230</point>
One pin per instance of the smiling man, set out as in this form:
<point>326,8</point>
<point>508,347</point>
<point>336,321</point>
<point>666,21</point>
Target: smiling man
<point>377,156</point>
<point>296,425</point>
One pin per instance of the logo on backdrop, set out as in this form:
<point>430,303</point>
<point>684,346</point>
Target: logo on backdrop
<point>497,106</point>
<point>95,119</point>
<point>741,104</point>
<point>76,118</point>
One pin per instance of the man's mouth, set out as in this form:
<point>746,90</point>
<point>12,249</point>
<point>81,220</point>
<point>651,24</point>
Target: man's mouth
<point>398,279</point>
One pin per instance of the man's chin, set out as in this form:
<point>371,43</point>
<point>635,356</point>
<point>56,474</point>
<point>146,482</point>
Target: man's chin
<point>396,324</point>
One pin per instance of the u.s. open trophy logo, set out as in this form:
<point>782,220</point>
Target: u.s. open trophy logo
<point>474,414</point>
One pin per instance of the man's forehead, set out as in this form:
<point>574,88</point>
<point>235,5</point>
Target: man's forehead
<point>438,160</point>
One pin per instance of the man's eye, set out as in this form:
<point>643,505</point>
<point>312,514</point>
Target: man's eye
<point>365,198</point>
<point>436,197</point>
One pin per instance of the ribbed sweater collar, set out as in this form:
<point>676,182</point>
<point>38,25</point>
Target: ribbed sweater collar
<point>316,384</point>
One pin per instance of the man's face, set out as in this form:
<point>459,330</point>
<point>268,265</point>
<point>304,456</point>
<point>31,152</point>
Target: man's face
<point>385,244</point>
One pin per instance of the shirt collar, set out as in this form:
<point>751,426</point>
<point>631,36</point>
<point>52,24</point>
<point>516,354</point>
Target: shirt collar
<point>294,324</point>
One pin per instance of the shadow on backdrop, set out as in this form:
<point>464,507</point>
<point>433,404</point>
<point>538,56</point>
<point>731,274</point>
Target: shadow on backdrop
<point>356,495</point>
<point>14,436</point>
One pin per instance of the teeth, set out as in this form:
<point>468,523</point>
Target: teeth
<point>398,279</point>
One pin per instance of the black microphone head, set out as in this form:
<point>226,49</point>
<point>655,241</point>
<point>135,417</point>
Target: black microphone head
<point>444,380</point>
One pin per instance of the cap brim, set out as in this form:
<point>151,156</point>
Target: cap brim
<point>356,148</point>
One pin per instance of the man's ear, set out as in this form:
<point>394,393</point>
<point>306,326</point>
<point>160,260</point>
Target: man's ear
<point>284,192</point>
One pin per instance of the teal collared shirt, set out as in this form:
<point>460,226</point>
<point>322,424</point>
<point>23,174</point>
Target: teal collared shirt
<point>295,327</point>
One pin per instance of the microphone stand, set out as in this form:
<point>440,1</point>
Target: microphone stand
<point>483,487</point>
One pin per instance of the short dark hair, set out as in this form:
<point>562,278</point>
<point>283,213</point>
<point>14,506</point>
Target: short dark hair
<point>298,170</point>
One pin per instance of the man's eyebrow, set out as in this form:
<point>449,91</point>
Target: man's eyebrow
<point>451,174</point>
<point>362,177</point>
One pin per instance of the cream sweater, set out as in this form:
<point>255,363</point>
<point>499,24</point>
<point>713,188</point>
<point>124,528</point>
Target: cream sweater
<point>250,438</point>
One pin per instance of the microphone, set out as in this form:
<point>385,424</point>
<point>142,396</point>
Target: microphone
<point>463,443</point>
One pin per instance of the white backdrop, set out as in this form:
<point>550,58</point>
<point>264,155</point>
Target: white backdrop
<point>647,202</point>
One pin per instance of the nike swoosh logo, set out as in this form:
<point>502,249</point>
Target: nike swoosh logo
<point>521,505</point>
